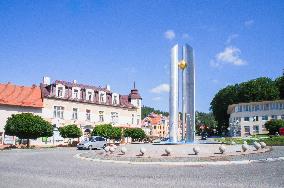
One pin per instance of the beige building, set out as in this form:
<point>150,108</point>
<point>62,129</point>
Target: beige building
<point>87,106</point>
<point>62,103</point>
<point>249,118</point>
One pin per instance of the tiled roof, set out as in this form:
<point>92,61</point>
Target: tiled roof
<point>11,94</point>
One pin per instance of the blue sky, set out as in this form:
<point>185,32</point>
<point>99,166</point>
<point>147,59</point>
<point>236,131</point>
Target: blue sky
<point>118,42</point>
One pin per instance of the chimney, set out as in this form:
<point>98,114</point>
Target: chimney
<point>46,80</point>
<point>108,87</point>
<point>74,81</point>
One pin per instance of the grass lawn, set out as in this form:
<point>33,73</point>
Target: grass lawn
<point>270,141</point>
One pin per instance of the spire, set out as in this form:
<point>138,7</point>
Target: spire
<point>134,85</point>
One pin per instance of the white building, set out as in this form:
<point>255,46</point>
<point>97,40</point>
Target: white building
<point>249,118</point>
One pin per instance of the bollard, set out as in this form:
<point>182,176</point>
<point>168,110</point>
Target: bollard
<point>222,149</point>
<point>168,151</point>
<point>111,149</point>
<point>196,150</point>
<point>262,144</point>
<point>142,151</point>
<point>256,145</point>
<point>244,147</point>
<point>107,149</point>
<point>123,150</point>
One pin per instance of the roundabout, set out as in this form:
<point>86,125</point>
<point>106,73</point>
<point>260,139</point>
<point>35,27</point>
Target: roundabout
<point>181,155</point>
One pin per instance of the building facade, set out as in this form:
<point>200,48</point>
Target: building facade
<point>14,100</point>
<point>249,118</point>
<point>62,103</point>
<point>156,126</point>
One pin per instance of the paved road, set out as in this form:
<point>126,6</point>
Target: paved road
<point>58,168</point>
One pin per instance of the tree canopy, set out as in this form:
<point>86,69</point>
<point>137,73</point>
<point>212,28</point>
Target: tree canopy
<point>206,119</point>
<point>135,133</point>
<point>107,131</point>
<point>259,89</point>
<point>70,131</point>
<point>28,126</point>
<point>273,126</point>
<point>145,111</point>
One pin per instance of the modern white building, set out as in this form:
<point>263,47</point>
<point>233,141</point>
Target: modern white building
<point>249,118</point>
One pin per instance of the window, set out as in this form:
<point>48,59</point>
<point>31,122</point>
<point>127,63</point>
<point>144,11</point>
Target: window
<point>281,106</point>
<point>240,108</point>
<point>88,115</point>
<point>246,118</point>
<point>274,117</point>
<point>89,96</point>
<point>266,107</point>
<point>114,100</point>
<point>255,118</point>
<point>60,92</point>
<point>257,108</point>
<point>76,94</point>
<point>247,130</point>
<point>132,119</point>
<point>114,117</point>
<point>247,108</point>
<point>101,116</point>
<point>102,97</point>
<point>273,106</point>
<point>282,117</point>
<point>265,117</point>
<point>255,129</point>
<point>138,119</point>
<point>263,128</point>
<point>138,102</point>
<point>58,112</point>
<point>75,114</point>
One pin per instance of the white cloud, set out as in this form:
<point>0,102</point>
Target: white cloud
<point>230,55</point>
<point>231,37</point>
<point>215,81</point>
<point>185,36</point>
<point>162,88</point>
<point>170,34</point>
<point>249,23</point>
<point>156,98</point>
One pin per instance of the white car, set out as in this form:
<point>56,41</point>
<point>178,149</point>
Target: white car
<point>95,142</point>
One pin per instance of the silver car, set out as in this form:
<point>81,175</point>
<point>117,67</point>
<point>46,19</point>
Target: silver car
<point>95,142</point>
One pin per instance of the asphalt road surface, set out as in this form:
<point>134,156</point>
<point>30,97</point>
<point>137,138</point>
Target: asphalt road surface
<point>58,168</point>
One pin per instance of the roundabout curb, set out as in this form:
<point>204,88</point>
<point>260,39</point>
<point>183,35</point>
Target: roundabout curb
<point>205,163</point>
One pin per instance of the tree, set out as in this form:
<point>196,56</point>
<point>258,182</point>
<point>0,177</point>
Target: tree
<point>28,126</point>
<point>251,91</point>
<point>70,131</point>
<point>206,119</point>
<point>104,130</point>
<point>280,84</point>
<point>137,134</point>
<point>145,111</point>
<point>273,126</point>
<point>116,133</point>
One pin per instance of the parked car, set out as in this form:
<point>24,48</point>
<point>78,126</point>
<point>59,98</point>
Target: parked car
<point>204,135</point>
<point>95,142</point>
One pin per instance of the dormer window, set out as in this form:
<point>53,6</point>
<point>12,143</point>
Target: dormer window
<point>76,93</point>
<point>115,99</point>
<point>89,95</point>
<point>60,90</point>
<point>102,97</point>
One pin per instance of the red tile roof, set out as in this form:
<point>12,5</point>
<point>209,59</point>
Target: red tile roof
<point>14,95</point>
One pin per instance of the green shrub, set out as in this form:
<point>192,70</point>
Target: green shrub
<point>273,126</point>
